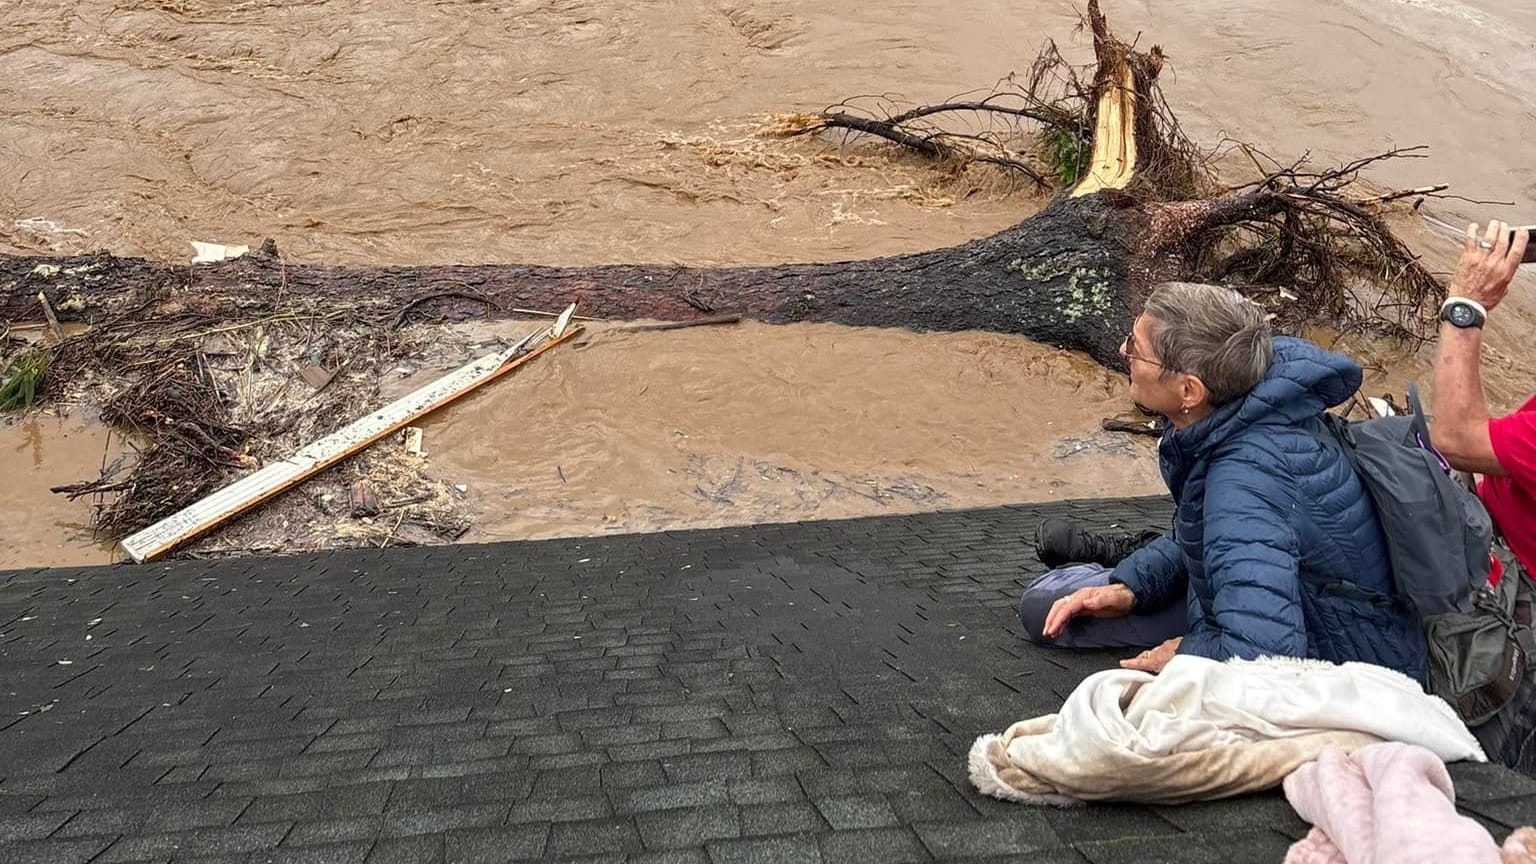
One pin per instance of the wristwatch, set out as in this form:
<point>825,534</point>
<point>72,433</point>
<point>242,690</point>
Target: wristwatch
<point>1463,313</point>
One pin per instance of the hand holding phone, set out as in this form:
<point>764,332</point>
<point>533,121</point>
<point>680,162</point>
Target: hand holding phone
<point>1487,267</point>
<point>1530,250</point>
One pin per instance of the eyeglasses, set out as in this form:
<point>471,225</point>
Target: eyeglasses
<point>1128,351</point>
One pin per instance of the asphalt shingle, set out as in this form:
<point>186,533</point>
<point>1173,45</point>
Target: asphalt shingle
<point>788,693</point>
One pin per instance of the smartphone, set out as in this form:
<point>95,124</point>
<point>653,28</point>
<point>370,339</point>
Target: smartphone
<point>1530,249</point>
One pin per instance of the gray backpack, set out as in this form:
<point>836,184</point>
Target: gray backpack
<point>1437,531</point>
<point>1439,538</point>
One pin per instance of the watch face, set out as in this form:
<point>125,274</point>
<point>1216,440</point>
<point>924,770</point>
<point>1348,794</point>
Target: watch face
<point>1462,315</point>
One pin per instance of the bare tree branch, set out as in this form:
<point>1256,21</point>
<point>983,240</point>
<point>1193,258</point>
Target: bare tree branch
<point>929,144</point>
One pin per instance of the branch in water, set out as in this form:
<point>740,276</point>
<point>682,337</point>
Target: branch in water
<point>934,144</point>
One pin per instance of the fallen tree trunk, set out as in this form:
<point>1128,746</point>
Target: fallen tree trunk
<point>1069,276</point>
<point>1138,207</point>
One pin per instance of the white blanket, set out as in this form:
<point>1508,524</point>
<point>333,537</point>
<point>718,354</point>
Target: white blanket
<point>1202,730</point>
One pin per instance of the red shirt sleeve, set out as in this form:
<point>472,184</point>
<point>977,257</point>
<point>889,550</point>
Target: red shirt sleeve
<point>1514,445</point>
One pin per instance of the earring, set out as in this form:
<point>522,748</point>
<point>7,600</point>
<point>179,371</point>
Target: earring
<point>1186,409</point>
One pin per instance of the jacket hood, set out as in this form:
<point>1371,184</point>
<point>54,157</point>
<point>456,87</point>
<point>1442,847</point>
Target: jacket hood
<point>1302,382</point>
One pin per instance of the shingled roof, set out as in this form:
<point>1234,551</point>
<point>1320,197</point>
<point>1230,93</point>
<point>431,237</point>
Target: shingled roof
<point>782,693</point>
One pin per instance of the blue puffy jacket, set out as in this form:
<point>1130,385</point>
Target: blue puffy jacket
<point>1276,545</point>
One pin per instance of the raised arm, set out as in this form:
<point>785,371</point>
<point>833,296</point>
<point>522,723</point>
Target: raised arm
<point>1461,416</point>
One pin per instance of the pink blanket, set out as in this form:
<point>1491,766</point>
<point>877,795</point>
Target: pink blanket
<point>1390,803</point>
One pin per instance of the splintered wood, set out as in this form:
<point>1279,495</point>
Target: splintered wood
<point>1113,163</point>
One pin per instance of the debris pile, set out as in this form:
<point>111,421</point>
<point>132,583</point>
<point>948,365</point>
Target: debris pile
<point>203,390</point>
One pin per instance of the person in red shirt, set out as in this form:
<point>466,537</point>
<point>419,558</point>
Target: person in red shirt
<point>1501,449</point>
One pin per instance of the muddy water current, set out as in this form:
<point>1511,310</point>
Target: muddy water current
<point>756,423</point>
<point>40,527</point>
<point>588,131</point>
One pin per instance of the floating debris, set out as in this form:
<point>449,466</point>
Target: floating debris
<point>213,253</point>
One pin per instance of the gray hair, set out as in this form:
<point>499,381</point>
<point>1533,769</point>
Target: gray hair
<point>1212,333</point>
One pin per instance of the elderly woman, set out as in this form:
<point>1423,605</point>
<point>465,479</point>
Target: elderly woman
<point>1275,548</point>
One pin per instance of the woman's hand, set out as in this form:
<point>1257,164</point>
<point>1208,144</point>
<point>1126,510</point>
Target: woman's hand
<point>1154,659</point>
<point>1107,601</point>
<point>1488,265</point>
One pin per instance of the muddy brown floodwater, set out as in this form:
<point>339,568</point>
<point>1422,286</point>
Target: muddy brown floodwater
<point>37,453</point>
<point>709,426</point>
<point>588,131</point>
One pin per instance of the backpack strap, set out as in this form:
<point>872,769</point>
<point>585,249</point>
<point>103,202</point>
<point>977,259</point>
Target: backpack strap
<point>1420,426</point>
<point>1523,608</point>
<point>1335,431</point>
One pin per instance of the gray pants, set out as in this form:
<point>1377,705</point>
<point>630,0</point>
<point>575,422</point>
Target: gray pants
<point>1137,630</point>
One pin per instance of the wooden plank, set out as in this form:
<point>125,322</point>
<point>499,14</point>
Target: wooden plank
<point>562,322</point>
<point>545,314</point>
<point>53,321</point>
<point>278,477</point>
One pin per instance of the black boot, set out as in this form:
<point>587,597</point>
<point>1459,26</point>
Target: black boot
<point>1059,542</point>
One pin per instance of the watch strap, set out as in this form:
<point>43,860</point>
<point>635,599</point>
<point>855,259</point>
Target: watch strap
<point>1467,300</point>
<point>1463,313</point>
